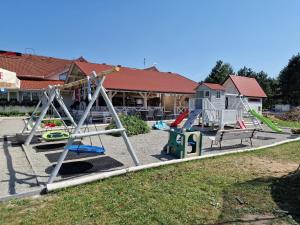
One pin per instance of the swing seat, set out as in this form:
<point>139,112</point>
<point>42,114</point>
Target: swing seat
<point>86,149</point>
<point>55,135</point>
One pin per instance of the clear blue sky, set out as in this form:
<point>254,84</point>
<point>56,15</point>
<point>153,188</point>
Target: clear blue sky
<point>186,37</point>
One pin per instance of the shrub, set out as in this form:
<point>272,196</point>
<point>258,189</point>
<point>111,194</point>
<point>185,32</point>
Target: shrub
<point>296,131</point>
<point>12,113</point>
<point>132,124</point>
<point>56,122</point>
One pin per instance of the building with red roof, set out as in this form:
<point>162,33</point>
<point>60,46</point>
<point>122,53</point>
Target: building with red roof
<point>128,87</point>
<point>246,87</point>
<point>144,87</point>
<point>34,72</point>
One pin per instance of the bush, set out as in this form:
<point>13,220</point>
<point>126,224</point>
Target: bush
<point>56,122</point>
<point>132,124</point>
<point>12,113</point>
<point>295,131</point>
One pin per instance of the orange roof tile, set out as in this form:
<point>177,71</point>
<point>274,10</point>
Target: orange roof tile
<point>38,84</point>
<point>248,86</point>
<point>33,66</point>
<point>214,86</point>
<point>141,80</point>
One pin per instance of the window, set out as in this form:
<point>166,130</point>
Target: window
<point>206,93</point>
<point>218,94</point>
<point>259,109</point>
<point>253,99</point>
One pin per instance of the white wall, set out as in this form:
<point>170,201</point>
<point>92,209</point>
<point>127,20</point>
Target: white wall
<point>256,105</point>
<point>219,103</point>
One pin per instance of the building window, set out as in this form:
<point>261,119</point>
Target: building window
<point>206,93</point>
<point>253,99</point>
<point>218,94</point>
<point>259,109</point>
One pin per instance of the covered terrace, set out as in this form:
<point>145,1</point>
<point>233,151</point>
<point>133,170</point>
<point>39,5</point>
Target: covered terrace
<point>148,93</point>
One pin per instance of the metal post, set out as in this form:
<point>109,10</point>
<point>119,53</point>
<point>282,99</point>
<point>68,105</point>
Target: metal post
<point>32,115</point>
<point>77,130</point>
<point>99,89</point>
<point>63,106</point>
<point>43,113</point>
<point>118,123</point>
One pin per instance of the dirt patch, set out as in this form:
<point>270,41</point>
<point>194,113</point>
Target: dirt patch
<point>268,166</point>
<point>266,219</point>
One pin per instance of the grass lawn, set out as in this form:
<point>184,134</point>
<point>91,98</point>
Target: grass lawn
<point>244,188</point>
<point>286,123</point>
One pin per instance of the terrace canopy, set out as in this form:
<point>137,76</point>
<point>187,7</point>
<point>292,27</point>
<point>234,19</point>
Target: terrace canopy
<point>169,90</point>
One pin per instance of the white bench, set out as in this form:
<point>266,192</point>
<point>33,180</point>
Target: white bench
<point>231,135</point>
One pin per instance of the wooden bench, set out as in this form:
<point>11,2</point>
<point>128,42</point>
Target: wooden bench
<point>231,135</point>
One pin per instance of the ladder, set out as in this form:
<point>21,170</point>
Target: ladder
<point>253,120</point>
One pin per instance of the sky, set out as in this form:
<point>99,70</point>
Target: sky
<point>185,37</point>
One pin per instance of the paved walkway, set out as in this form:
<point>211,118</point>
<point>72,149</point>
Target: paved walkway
<point>16,174</point>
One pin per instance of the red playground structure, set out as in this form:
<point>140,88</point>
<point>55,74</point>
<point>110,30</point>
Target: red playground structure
<point>180,117</point>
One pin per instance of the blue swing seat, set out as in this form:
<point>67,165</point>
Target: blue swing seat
<point>86,149</point>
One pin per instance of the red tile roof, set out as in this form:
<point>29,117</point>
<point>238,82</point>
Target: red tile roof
<point>38,84</point>
<point>141,80</point>
<point>33,66</point>
<point>214,86</point>
<point>248,86</point>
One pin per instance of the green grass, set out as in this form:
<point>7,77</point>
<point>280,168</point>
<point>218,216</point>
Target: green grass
<point>286,123</point>
<point>198,192</point>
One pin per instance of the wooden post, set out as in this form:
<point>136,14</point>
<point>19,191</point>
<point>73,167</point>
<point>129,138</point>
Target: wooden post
<point>174,109</point>
<point>124,100</point>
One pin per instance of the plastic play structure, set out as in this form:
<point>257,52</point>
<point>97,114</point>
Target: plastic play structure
<point>180,118</point>
<point>53,135</point>
<point>79,132</point>
<point>184,143</point>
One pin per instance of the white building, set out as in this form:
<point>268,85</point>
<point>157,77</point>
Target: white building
<point>245,87</point>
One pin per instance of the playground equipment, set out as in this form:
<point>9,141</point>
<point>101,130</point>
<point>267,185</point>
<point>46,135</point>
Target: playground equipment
<point>54,135</point>
<point>184,143</point>
<point>241,124</point>
<point>85,149</point>
<point>265,120</point>
<point>46,99</point>
<point>181,117</point>
<point>99,79</point>
<point>160,125</point>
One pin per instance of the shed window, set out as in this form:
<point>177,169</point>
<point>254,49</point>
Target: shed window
<point>218,94</point>
<point>206,93</point>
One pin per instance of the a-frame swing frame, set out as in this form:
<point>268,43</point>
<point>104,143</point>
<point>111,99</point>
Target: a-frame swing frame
<point>77,131</point>
<point>48,98</point>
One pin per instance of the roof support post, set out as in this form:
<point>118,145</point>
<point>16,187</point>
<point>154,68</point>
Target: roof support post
<point>124,98</point>
<point>174,106</point>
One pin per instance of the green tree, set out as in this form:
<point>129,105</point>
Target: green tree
<point>289,81</point>
<point>268,84</point>
<point>219,72</point>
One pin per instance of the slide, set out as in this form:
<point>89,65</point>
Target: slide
<point>192,117</point>
<point>180,117</point>
<point>265,120</point>
<point>241,124</point>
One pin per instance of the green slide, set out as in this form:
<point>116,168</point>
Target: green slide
<point>265,120</point>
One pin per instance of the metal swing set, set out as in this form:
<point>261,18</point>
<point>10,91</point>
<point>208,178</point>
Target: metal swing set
<point>54,93</point>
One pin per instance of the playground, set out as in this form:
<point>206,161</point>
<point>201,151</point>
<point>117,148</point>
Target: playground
<point>24,170</point>
<point>40,151</point>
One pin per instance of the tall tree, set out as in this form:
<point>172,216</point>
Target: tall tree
<point>289,81</point>
<point>219,72</point>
